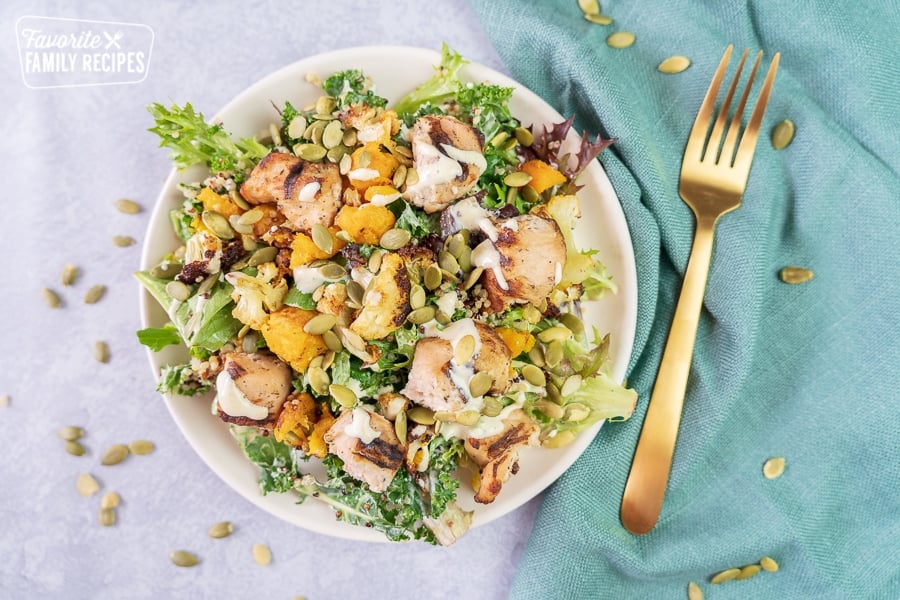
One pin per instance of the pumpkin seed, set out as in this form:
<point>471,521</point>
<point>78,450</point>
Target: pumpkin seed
<point>768,564</point>
<point>107,517</point>
<point>332,341</point>
<point>444,416</point>
<point>322,238</point>
<point>128,207</point>
<point>464,349</point>
<point>87,485</point>
<point>110,500</point>
<point>782,134</point>
<point>573,323</point>
<point>262,256</point>
<point>774,467</point>
<point>69,274</point>
<point>310,152</point>
<point>314,131</point>
<point>498,139</point>
<point>235,222</point>
<point>694,591</point>
<point>570,386</point>
<point>332,271</point>
<point>536,356</point>
<point>70,433</point>
<point>480,384</point>
<point>599,19</point>
<point>350,138</point>
<point>114,455</point>
<point>794,275</point>
<point>4,400</point>
<point>296,127</point>
<point>399,177</point>
<point>491,407</point>
<point>551,409</point>
<point>74,448</point>
<point>417,297</point>
<point>344,165</point>
<point>524,136</point>
<point>178,290</point>
<point>183,558</point>
<point>220,530</point>
<point>674,64</point>
<point>400,426</point>
<point>620,39</point>
<point>433,277</point>
<point>557,332</point>
<point>747,572</point>
<point>328,358</point>
<point>318,380</point>
<point>562,438</point>
<point>141,447</point>
<point>468,417</point>
<point>262,555</point>
<point>553,354</point>
<point>236,197</point>
<point>473,277</point>
<point>394,239</point>
<point>101,352</point>
<point>723,576</point>
<point>320,324</point>
<point>421,315</point>
<point>517,179</point>
<point>355,292</point>
<point>351,340</point>
<point>421,415</point>
<point>333,134</point>
<point>218,224</point>
<point>534,375</point>
<point>123,241</point>
<point>589,7</point>
<point>166,270</point>
<point>374,264</point>
<point>251,217</point>
<point>412,176</point>
<point>51,298</point>
<point>343,395</point>
<point>448,262</point>
<point>576,412</point>
<point>325,105</point>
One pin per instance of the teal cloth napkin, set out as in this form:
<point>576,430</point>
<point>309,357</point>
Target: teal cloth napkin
<point>808,372</point>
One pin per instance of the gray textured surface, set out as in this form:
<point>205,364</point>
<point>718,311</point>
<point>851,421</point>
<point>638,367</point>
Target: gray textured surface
<point>69,153</point>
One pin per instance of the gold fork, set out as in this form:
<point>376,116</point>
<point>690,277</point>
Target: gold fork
<point>713,179</point>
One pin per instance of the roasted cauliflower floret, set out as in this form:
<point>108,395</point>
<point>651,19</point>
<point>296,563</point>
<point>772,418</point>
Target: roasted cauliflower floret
<point>386,304</point>
<point>258,296</point>
<point>284,334</point>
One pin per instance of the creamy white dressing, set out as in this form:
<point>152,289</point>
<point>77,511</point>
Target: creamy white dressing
<point>360,427</point>
<point>486,256</point>
<point>455,332</point>
<point>308,279</point>
<point>468,214</point>
<point>383,199</point>
<point>198,245</point>
<point>371,133</point>
<point>484,427</point>
<point>362,276</point>
<point>472,157</point>
<point>557,275</point>
<point>363,174</point>
<point>446,303</point>
<point>511,224</point>
<point>234,402</point>
<point>196,318</point>
<point>434,167</point>
<point>308,192</point>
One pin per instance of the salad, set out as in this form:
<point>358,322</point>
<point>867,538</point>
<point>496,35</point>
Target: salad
<point>383,300</point>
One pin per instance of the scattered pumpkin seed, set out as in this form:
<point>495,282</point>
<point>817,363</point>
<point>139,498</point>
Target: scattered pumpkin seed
<point>4,400</point>
<point>551,409</point>
<point>218,224</point>
<point>473,277</point>
<point>183,558</point>
<point>350,138</point>
<point>747,572</point>
<point>101,352</point>
<point>69,274</point>
<point>166,270</point>
<point>783,134</point>
<point>322,238</point>
<point>128,207</point>
<point>599,19</point>
<point>242,228</point>
<point>94,294</point>
<point>320,324</point>
<point>480,384</point>
<point>114,455</point>
<point>499,139</point>
<point>141,447</point>
<point>468,418</point>
<point>110,500</point>
<point>178,290</point>
<point>448,262</point>
<point>74,448</point>
<point>123,241</point>
<point>412,176</point>
<point>576,412</point>
<point>318,379</point>
<point>262,256</point>
<point>620,39</point>
<point>464,349</point>
<point>557,332</point>
<point>517,179</point>
<point>325,105</point>
<point>774,467</point>
<point>87,485</point>
<point>332,135</point>
<point>553,354</point>
<point>562,438</point>
<point>570,386</point>
<point>70,433</point>
<point>417,297</point>
<point>536,356</point>
<point>768,564</point>
<point>400,426</point>
<point>107,517</point>
<point>343,395</point>
<point>421,315</point>
<point>374,264</point>
<point>355,292</point>
<point>332,271</point>
<point>310,152</point>
<point>344,165</point>
<point>795,275</point>
<point>262,555</point>
<point>433,277</point>
<point>589,7</point>
<point>296,127</point>
<point>694,591</point>
<point>421,415</point>
<point>394,239</point>
<point>723,576</point>
<point>220,530</point>
<point>674,64</point>
<point>491,407</point>
<point>524,136</point>
<point>534,375</point>
<point>51,298</point>
<point>332,341</point>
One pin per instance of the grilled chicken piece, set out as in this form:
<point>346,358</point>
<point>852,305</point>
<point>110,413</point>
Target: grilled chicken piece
<point>498,455</point>
<point>374,462</point>
<point>252,388</point>
<point>431,378</point>
<point>386,304</point>
<point>532,256</point>
<point>312,195</point>
<point>448,156</point>
<point>265,184</point>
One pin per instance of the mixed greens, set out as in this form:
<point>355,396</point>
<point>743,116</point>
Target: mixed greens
<point>391,292</point>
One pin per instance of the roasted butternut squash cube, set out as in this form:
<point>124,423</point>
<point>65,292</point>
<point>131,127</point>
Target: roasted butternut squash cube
<point>543,176</point>
<point>365,224</point>
<point>283,332</point>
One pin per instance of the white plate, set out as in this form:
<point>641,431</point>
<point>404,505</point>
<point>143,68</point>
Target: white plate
<point>395,71</point>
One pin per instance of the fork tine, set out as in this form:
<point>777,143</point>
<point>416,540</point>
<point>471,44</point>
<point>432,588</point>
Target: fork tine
<point>748,142</point>
<point>715,138</point>
<point>727,155</point>
<point>695,143</point>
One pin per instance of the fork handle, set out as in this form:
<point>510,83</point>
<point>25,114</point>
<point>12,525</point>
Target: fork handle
<point>649,476</point>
